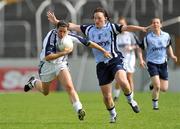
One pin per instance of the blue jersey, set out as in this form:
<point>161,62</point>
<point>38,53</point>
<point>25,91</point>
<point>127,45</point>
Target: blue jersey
<point>156,47</point>
<point>105,37</point>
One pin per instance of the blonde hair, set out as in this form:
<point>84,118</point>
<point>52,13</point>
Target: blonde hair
<point>122,18</point>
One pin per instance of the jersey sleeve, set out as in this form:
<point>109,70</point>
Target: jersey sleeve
<point>169,42</point>
<point>85,28</point>
<point>51,44</point>
<point>134,39</point>
<point>80,40</point>
<point>143,43</point>
<point>116,28</point>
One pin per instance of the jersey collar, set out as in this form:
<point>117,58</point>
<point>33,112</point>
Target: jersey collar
<point>154,35</point>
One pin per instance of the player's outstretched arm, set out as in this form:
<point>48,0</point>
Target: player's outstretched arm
<point>52,18</point>
<point>135,28</point>
<point>171,53</point>
<point>95,45</point>
<point>53,56</point>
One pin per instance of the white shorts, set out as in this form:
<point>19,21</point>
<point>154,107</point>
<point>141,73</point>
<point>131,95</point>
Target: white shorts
<point>48,71</point>
<point>129,63</point>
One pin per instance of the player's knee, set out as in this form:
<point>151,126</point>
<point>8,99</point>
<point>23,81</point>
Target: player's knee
<point>125,85</point>
<point>157,87</point>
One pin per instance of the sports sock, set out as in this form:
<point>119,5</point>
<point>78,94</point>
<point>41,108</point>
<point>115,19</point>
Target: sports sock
<point>132,94</point>
<point>116,92</point>
<point>34,82</point>
<point>112,111</point>
<point>155,103</point>
<point>77,106</point>
<point>129,97</point>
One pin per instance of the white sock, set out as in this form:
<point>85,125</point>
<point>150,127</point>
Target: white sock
<point>129,97</point>
<point>77,106</point>
<point>155,103</point>
<point>112,111</point>
<point>116,92</point>
<point>33,82</point>
<point>133,94</point>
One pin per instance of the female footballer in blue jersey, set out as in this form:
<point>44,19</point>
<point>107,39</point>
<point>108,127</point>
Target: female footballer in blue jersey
<point>104,33</point>
<point>53,65</point>
<point>156,45</point>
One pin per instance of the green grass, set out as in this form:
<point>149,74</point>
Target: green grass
<point>34,111</point>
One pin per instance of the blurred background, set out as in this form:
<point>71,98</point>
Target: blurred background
<point>23,25</point>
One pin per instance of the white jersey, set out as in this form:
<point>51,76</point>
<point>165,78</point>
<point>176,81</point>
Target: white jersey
<point>125,39</point>
<point>50,45</point>
<point>48,70</point>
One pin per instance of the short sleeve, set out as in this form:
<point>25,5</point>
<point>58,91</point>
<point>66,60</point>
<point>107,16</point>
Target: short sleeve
<point>79,39</point>
<point>169,42</point>
<point>51,47</point>
<point>143,43</point>
<point>85,29</point>
<point>117,28</point>
<point>135,40</point>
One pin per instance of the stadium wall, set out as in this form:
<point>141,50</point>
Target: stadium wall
<point>89,81</point>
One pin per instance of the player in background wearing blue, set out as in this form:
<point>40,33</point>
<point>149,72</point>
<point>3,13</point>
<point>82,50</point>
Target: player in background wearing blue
<point>53,65</point>
<point>127,44</point>
<point>104,33</point>
<point>156,45</point>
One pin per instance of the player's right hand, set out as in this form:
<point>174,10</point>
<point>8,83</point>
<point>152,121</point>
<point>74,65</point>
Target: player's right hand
<point>143,64</point>
<point>107,54</point>
<point>148,28</point>
<point>174,58</point>
<point>67,50</point>
<point>52,18</point>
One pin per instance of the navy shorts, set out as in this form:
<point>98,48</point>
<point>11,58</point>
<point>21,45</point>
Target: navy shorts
<point>106,71</point>
<point>158,69</point>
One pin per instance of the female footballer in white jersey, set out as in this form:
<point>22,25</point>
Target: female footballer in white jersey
<point>127,44</point>
<point>104,33</point>
<point>156,45</point>
<point>53,64</point>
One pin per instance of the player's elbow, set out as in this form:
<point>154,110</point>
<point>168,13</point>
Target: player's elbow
<point>48,58</point>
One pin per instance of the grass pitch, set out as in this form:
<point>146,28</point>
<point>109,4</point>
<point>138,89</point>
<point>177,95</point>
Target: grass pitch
<point>35,111</point>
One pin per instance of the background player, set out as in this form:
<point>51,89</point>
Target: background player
<point>127,43</point>
<point>156,44</point>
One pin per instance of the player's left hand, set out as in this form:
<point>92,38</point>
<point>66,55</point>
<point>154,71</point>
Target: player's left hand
<point>128,48</point>
<point>143,64</point>
<point>147,28</point>
<point>174,58</point>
